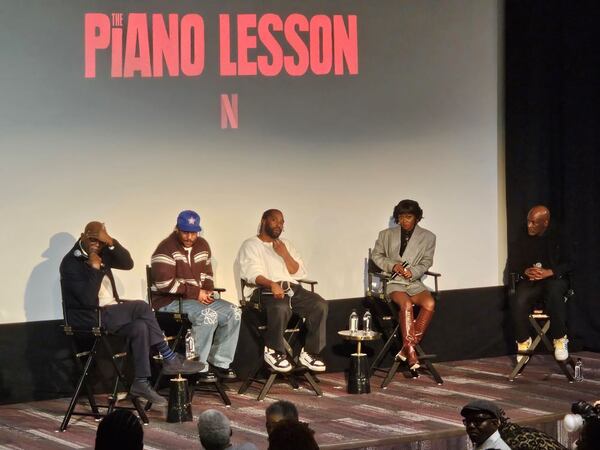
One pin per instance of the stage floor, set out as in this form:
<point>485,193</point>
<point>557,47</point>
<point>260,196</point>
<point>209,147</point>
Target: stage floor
<point>413,411</point>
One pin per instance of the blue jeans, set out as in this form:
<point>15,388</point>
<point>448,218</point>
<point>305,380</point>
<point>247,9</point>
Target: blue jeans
<point>215,327</point>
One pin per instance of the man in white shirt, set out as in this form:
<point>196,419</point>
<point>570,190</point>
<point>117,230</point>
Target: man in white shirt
<point>274,267</point>
<point>482,419</point>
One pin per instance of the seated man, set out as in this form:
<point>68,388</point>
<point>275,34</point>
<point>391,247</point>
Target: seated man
<point>407,252</point>
<point>182,264</point>
<point>542,261</point>
<point>482,419</point>
<point>87,281</point>
<point>274,265</point>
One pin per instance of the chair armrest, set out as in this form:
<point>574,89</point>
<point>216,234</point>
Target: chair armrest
<point>307,281</point>
<point>219,290</point>
<point>433,274</point>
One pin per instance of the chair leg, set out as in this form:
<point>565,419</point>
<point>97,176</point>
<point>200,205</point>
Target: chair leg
<point>313,383</point>
<point>80,382</point>
<point>391,373</point>
<point>222,393</point>
<point>386,348</point>
<point>267,387</point>
<point>428,364</point>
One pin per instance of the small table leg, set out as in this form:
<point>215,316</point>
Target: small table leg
<point>358,378</point>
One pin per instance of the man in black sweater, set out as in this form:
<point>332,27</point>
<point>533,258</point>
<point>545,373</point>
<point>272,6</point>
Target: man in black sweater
<point>541,260</point>
<point>87,283</point>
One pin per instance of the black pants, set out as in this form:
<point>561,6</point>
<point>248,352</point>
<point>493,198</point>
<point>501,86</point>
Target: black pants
<point>528,293</point>
<point>135,320</point>
<point>306,304</point>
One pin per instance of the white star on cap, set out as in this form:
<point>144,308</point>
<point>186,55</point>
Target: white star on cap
<point>191,220</point>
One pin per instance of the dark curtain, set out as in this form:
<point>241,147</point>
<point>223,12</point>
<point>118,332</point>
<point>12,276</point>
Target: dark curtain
<point>552,85</point>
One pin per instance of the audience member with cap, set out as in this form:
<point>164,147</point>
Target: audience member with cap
<point>182,264</point>
<point>214,431</point>
<point>278,411</point>
<point>120,430</point>
<point>482,420</point>
<point>87,281</point>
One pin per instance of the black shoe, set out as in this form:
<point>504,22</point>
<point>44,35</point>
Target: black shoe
<point>207,377</point>
<point>180,365</point>
<point>143,389</point>
<point>224,374</point>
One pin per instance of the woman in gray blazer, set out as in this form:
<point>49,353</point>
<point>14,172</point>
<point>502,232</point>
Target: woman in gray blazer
<point>407,252</point>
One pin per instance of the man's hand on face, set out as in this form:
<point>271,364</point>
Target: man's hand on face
<point>280,248</point>
<point>205,298</point>
<point>94,261</point>
<point>277,290</point>
<point>101,235</point>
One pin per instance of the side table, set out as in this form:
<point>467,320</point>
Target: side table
<point>358,377</point>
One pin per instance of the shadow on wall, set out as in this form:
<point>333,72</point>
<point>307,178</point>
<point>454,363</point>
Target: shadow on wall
<point>42,293</point>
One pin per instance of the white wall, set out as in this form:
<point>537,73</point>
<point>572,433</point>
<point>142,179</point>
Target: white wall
<point>335,154</point>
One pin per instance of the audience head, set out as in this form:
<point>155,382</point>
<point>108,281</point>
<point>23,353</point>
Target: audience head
<point>271,223</point>
<point>120,430</point>
<point>214,430</point>
<point>538,220</point>
<point>278,411</point>
<point>407,214</point>
<point>292,435</point>
<point>481,419</point>
<point>187,227</point>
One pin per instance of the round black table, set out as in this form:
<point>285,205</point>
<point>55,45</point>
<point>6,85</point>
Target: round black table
<point>358,377</point>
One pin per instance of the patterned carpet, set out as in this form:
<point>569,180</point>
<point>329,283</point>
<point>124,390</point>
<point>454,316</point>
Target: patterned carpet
<point>409,414</point>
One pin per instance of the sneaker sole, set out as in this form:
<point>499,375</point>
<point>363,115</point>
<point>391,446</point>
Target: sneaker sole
<point>279,369</point>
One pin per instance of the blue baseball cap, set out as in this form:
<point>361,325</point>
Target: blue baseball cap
<point>189,221</point>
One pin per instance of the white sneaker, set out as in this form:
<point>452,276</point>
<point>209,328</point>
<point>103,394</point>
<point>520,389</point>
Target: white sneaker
<point>523,347</point>
<point>561,351</point>
<point>312,362</point>
<point>278,361</point>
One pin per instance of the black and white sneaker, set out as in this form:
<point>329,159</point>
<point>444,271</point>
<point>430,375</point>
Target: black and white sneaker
<point>278,361</point>
<point>312,362</point>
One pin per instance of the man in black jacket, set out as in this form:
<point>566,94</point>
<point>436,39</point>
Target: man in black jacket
<point>541,260</point>
<point>87,282</point>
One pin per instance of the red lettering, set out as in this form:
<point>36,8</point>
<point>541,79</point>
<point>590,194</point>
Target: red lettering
<point>137,35</point>
<point>345,44</point>
<point>96,36</point>
<point>246,42</point>
<point>227,67</point>
<point>320,45</point>
<point>229,111</point>
<point>116,67</point>
<point>293,22</point>
<point>165,45</point>
<point>192,55</point>
<point>265,24</point>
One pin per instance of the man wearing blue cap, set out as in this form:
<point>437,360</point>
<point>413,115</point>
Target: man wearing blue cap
<point>182,264</point>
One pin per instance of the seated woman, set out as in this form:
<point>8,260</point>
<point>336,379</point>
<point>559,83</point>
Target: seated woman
<point>407,252</point>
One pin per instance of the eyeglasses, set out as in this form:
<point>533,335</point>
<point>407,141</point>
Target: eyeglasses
<point>477,421</point>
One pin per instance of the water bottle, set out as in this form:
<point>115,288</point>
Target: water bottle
<point>579,370</point>
<point>367,321</point>
<point>190,347</point>
<point>353,322</point>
